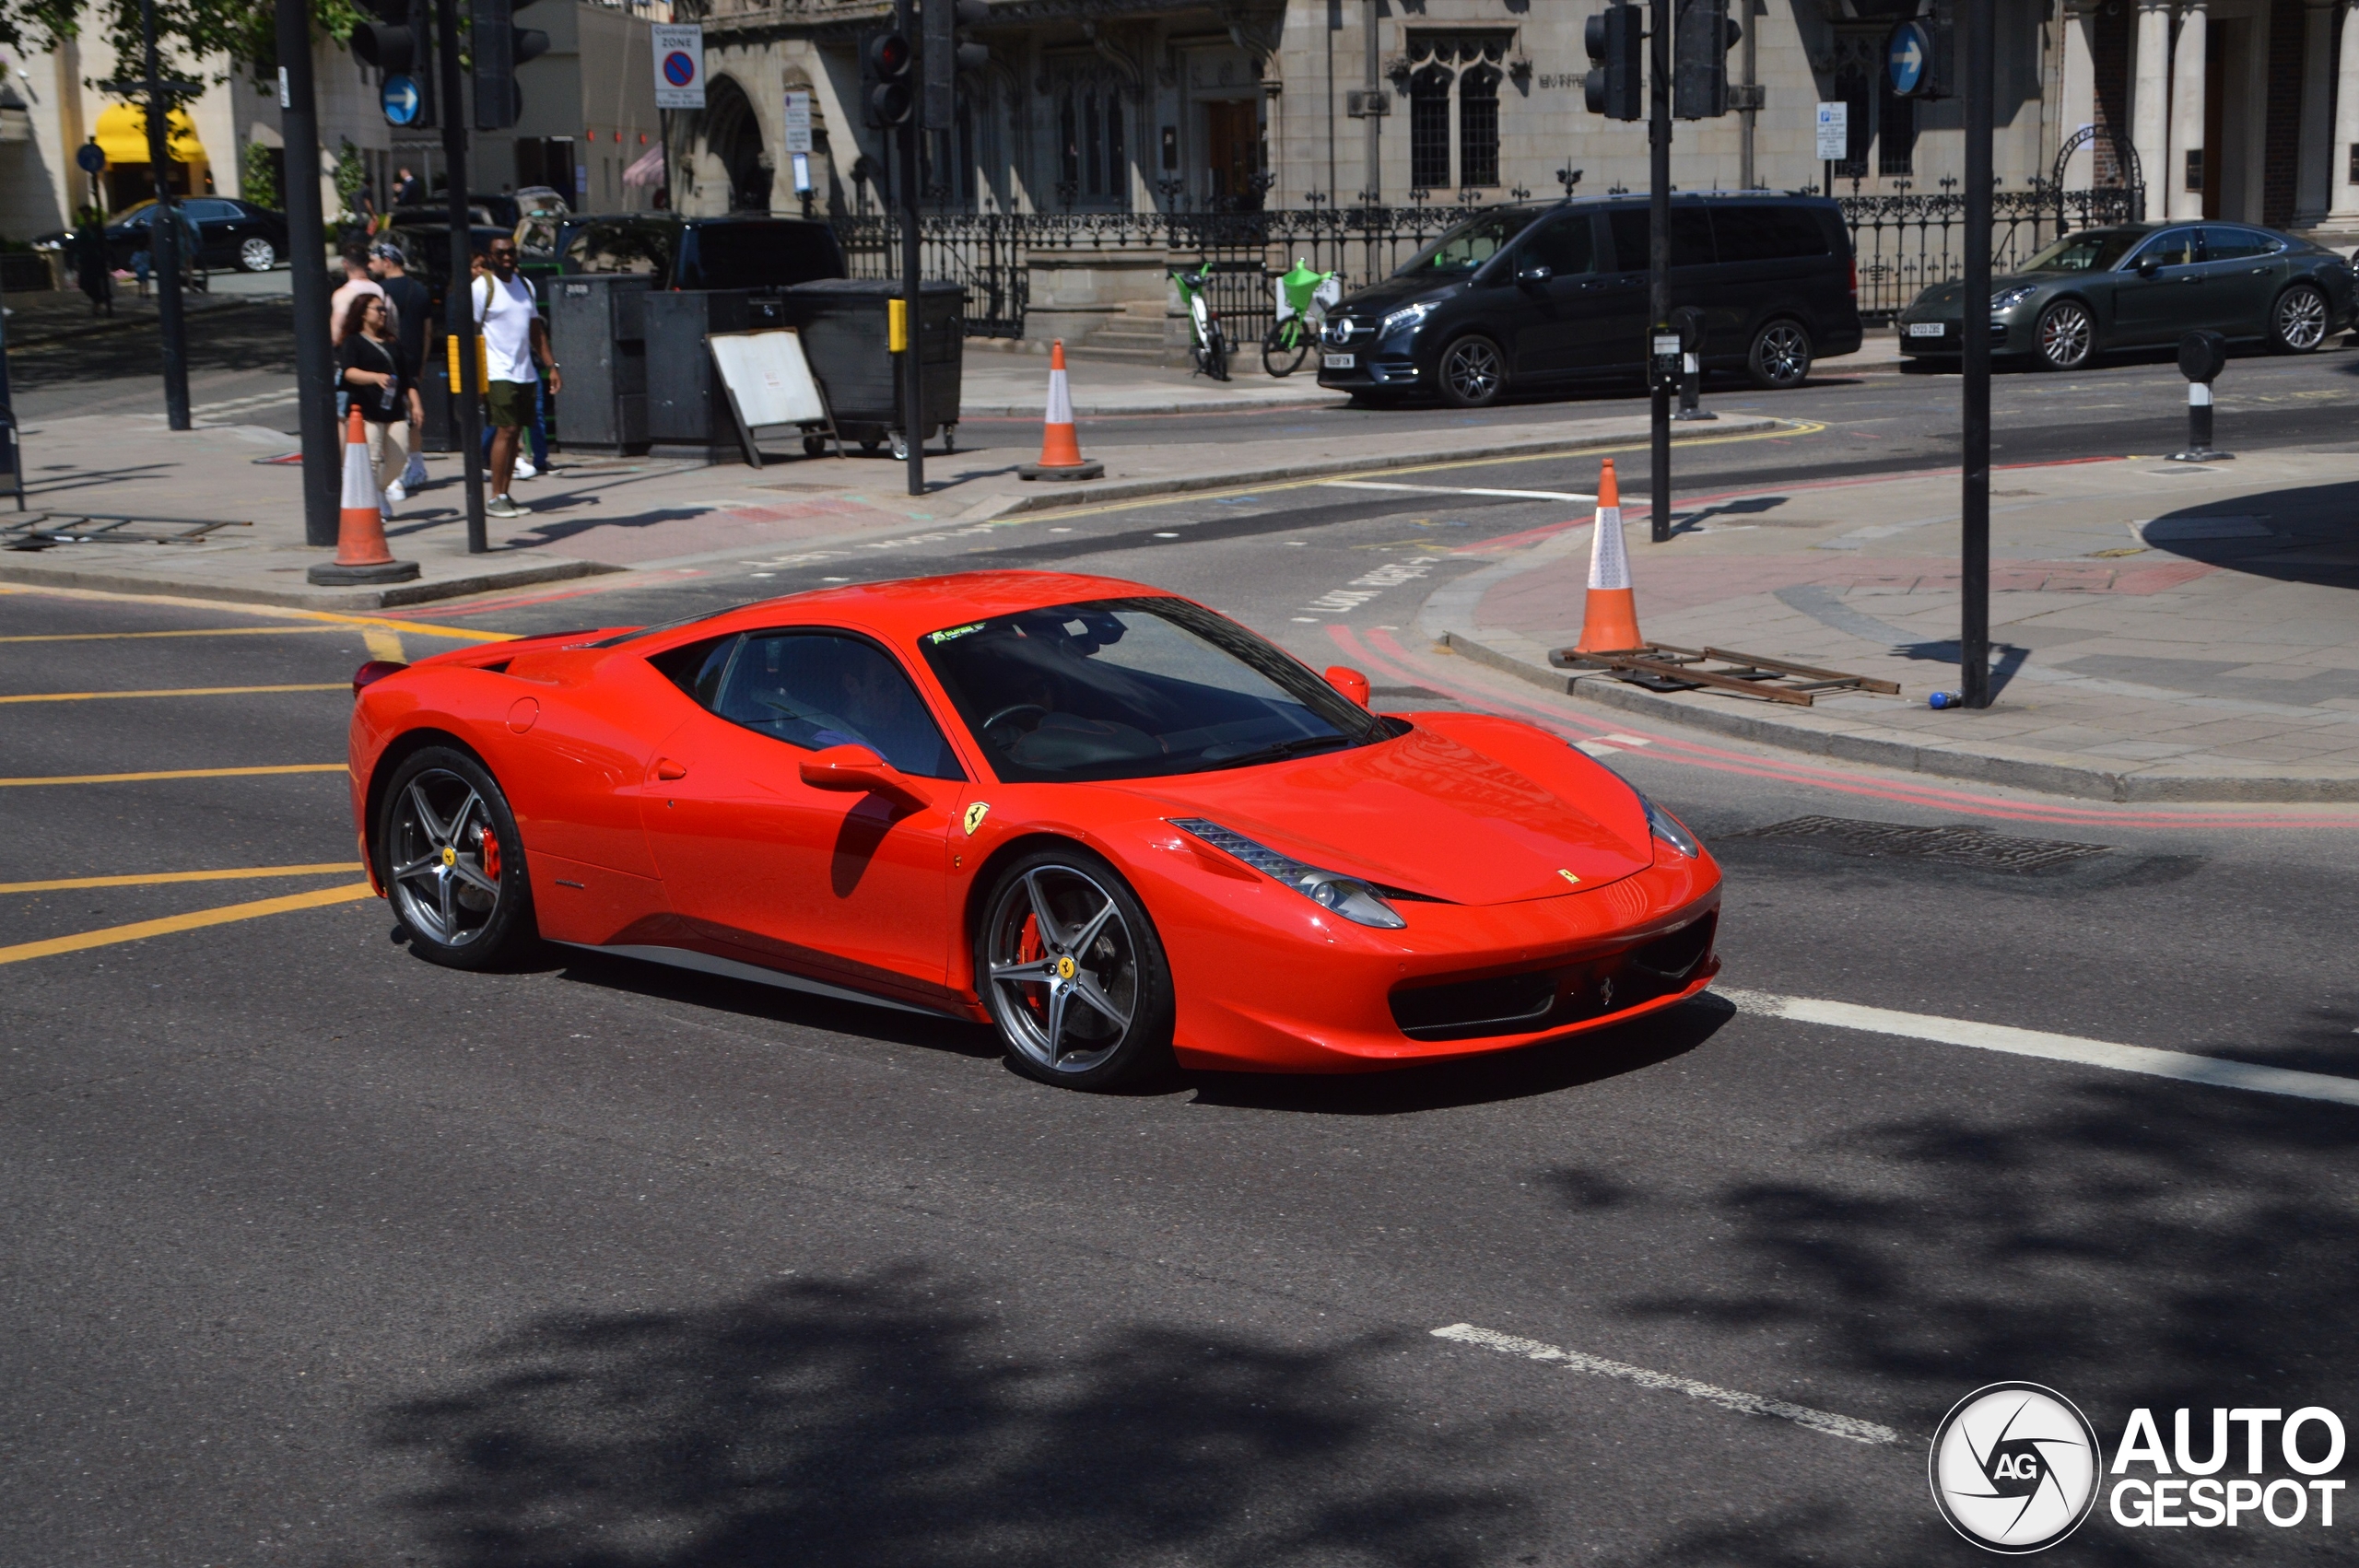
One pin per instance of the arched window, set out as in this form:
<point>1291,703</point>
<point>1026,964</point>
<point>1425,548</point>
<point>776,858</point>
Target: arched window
<point>1895,130</point>
<point>1851,87</point>
<point>1478,126</point>
<point>1429,128</point>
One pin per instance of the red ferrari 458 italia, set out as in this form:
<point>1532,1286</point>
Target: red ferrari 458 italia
<point>1115,825</point>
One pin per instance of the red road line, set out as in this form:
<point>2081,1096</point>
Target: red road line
<point>1383,651</point>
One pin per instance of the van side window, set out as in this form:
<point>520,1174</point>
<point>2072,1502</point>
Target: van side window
<point>1758,233</point>
<point>1691,237</point>
<point>1563,245</point>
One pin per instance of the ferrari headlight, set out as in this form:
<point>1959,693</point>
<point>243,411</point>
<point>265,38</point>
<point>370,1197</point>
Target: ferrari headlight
<point>1669,829</point>
<point>1347,896</point>
<point>1406,317</point>
<point>2015,295</point>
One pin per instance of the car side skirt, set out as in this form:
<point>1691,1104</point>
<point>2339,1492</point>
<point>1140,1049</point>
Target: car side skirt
<point>708,964</point>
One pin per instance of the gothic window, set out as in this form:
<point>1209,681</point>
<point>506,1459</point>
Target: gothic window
<point>1116,156</point>
<point>1094,154</point>
<point>1895,130</point>
<point>1068,147</point>
<point>1478,127</point>
<point>1429,128</point>
<point>1851,87</point>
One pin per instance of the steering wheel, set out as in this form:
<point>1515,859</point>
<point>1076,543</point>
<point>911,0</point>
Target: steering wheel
<point>1013,711</point>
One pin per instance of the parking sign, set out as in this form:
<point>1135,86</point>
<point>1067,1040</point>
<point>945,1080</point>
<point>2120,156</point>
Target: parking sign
<point>679,64</point>
<point>1834,131</point>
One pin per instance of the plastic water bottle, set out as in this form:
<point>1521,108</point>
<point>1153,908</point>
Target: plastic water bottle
<point>1946,699</point>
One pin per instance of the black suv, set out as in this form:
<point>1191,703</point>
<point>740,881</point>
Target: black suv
<point>1544,295</point>
<point>697,253</point>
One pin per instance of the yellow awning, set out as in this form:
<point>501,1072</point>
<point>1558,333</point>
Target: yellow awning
<point>123,136</point>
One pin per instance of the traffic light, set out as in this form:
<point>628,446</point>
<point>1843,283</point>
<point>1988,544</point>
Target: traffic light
<point>500,47</point>
<point>1616,84</point>
<point>886,97</point>
<point>948,53</point>
<point>399,43</point>
<point>1701,40</point>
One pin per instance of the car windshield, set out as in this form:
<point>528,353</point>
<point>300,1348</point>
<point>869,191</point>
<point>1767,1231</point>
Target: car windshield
<point>1132,688</point>
<point>626,247</point>
<point>1469,245</point>
<point>2092,250</point>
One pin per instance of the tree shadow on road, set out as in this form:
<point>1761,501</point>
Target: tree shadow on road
<point>885,1421</point>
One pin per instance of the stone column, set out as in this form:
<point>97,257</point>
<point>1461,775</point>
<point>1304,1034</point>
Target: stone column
<point>2187,109</point>
<point>2312,193</point>
<point>2076,91</point>
<point>2345,208</point>
<point>2150,100</point>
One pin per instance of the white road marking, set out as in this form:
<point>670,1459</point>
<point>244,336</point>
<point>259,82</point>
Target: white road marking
<point>1597,748</point>
<point>1630,739</point>
<point>1457,490</point>
<point>2185,1066</point>
<point>1850,1427</point>
<point>241,405</point>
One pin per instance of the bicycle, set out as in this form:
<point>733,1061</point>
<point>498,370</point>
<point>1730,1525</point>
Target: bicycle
<point>1208,346</point>
<point>1304,299</point>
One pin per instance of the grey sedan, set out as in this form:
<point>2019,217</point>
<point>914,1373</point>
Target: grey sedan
<point>2145,285</point>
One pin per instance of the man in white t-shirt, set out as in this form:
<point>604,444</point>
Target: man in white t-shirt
<point>514,338</point>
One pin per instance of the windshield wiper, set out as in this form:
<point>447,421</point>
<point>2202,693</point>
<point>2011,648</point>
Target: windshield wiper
<point>1278,751</point>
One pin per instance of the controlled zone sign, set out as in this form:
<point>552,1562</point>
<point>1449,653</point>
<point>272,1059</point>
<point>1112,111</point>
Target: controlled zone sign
<point>1834,131</point>
<point>679,64</point>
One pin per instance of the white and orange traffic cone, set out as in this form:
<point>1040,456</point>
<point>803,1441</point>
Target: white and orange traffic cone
<point>360,553</point>
<point>1610,618</point>
<point>1060,444</point>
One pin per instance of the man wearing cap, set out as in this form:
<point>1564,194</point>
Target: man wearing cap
<point>514,340</point>
<point>412,309</point>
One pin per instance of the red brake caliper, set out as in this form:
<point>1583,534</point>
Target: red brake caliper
<point>1029,950</point>
<point>489,851</point>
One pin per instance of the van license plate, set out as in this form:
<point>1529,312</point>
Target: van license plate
<point>1926,329</point>
<point>1340,361</point>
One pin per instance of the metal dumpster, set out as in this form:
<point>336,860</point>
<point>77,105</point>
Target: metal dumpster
<point>844,323</point>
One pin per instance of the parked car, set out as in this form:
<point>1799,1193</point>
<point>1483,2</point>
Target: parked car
<point>1548,295</point>
<point>699,252</point>
<point>2145,285</point>
<point>231,233</point>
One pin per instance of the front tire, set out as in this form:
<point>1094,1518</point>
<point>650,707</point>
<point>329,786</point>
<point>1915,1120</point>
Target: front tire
<point>2066,337</point>
<point>453,862</point>
<point>1070,967</point>
<point>2297,322</point>
<point>1281,356</point>
<point>1473,372</point>
<point>1779,359</point>
<point>257,254</point>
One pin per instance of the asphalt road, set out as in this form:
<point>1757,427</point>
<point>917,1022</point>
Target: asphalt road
<point>320,1255</point>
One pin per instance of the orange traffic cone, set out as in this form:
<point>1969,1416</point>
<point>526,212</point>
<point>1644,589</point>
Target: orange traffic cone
<point>1060,445</point>
<point>360,553</point>
<point>1610,619</point>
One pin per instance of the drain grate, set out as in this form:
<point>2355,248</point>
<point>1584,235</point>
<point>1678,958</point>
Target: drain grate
<point>1948,846</point>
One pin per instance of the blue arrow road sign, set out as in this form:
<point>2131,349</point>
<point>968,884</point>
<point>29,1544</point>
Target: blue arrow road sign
<point>401,99</point>
<point>1907,54</point>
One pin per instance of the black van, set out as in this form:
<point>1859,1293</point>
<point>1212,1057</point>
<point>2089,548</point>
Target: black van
<point>1551,294</point>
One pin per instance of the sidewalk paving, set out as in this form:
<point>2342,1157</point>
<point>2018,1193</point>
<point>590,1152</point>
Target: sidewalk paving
<point>629,514</point>
<point>2161,631</point>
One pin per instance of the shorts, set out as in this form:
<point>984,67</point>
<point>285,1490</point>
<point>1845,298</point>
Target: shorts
<point>510,404</point>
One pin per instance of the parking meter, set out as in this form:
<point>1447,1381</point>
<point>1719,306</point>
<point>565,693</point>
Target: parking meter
<point>2201,356</point>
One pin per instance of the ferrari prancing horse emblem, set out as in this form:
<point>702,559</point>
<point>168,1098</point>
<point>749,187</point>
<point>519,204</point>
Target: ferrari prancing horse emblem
<point>1566,875</point>
<point>1066,968</point>
<point>975,814</point>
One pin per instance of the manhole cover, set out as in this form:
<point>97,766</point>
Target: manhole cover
<point>1949,846</point>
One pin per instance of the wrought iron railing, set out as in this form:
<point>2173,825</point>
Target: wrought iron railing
<point>1903,243</point>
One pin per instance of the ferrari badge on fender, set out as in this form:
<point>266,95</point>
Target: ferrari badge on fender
<point>975,814</point>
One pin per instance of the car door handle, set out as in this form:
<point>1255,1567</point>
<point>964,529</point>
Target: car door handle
<point>666,768</point>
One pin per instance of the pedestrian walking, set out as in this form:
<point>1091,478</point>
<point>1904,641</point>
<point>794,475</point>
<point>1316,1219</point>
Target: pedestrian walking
<point>356,281</point>
<point>411,309</point>
<point>515,342</point>
<point>380,377</point>
<point>93,271</point>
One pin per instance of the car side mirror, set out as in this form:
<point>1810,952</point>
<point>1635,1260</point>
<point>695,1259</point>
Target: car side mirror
<point>856,770</point>
<point>1538,271</point>
<point>2149,265</point>
<point>1348,680</point>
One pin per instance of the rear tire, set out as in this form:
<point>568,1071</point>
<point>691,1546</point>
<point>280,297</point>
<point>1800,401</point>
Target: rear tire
<point>1779,359</point>
<point>2297,322</point>
<point>1069,964</point>
<point>1216,353</point>
<point>451,861</point>
<point>1472,372</point>
<point>257,254</point>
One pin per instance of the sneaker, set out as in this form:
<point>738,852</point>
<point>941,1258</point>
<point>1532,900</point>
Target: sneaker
<point>395,492</point>
<point>500,506</point>
<point>525,469</point>
<point>415,474</point>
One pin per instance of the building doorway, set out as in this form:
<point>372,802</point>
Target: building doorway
<point>1233,153</point>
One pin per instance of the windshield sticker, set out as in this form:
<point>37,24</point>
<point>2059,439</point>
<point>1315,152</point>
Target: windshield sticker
<point>954,631</point>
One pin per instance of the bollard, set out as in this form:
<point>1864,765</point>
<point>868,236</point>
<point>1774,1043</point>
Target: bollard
<point>1689,322</point>
<point>2201,356</point>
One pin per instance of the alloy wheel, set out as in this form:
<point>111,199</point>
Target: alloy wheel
<point>2066,337</point>
<point>1063,968</point>
<point>2301,318</point>
<point>257,255</point>
<point>1781,355</point>
<point>446,860</point>
<point>1471,371</point>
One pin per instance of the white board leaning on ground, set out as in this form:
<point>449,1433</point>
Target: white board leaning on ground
<point>768,382</point>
